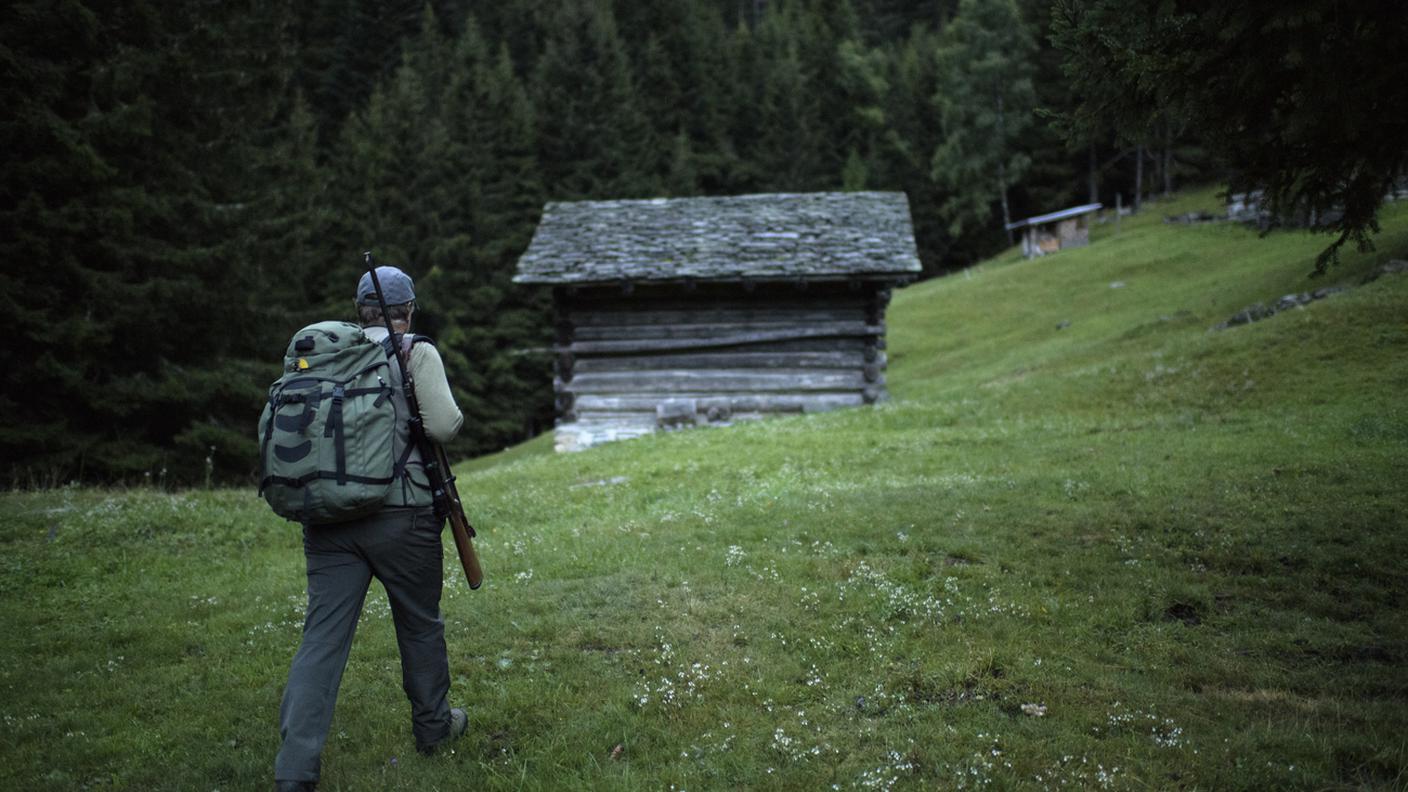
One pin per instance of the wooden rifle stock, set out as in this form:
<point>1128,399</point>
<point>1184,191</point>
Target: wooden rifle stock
<point>432,455</point>
<point>459,524</point>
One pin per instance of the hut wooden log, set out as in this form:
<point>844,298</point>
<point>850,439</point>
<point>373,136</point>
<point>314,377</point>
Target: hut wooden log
<point>769,359</point>
<point>615,317</point>
<point>838,330</point>
<point>619,416</point>
<point>672,413</point>
<point>603,407</point>
<point>850,322</point>
<point>738,380</point>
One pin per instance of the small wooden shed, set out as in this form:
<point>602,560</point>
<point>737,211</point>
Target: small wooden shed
<point>678,312</point>
<point>1049,233</point>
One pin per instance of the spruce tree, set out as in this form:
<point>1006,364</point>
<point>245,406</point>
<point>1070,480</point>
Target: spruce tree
<point>391,185</point>
<point>126,206</point>
<point>685,67</point>
<point>985,101</point>
<point>351,46</point>
<point>912,134</point>
<point>863,90</point>
<point>662,98</point>
<point>787,149</point>
<point>590,126</point>
<point>483,322</point>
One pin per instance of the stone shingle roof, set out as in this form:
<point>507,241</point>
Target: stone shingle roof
<point>766,236</point>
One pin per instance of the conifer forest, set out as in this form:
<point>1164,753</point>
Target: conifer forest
<point>186,184</point>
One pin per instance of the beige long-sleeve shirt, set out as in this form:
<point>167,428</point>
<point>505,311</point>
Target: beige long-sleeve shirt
<point>439,413</point>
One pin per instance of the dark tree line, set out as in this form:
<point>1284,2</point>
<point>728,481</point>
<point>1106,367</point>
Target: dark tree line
<point>1306,100</point>
<point>186,184</point>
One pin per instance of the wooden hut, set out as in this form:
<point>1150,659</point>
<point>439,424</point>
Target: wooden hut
<point>689,311</point>
<point>1049,233</point>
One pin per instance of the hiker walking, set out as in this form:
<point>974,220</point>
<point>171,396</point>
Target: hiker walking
<point>395,537</point>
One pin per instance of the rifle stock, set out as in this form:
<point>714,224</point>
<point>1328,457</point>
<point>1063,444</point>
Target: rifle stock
<point>460,527</point>
<point>432,454</point>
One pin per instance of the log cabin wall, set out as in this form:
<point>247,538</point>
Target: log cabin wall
<point>633,359</point>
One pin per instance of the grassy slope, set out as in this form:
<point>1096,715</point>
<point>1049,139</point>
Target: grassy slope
<point>1186,545</point>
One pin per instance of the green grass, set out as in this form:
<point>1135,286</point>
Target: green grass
<point>1186,545</point>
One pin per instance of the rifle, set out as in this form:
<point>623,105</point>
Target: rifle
<point>432,454</point>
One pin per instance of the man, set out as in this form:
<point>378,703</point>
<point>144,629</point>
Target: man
<point>400,546</point>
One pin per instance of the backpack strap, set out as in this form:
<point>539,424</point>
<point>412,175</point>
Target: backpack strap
<point>399,471</point>
<point>297,423</point>
<point>382,391</point>
<point>318,474</point>
<point>335,431</point>
<point>264,444</point>
<point>310,411</point>
<point>409,340</point>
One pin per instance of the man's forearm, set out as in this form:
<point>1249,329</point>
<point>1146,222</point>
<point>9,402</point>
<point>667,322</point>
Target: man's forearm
<point>441,416</point>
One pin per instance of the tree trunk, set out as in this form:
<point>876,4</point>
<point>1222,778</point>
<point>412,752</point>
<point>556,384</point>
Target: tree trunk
<point>1094,188</point>
<point>1002,173</point>
<point>1138,177</point>
<point>1168,161</point>
<point>1006,214</point>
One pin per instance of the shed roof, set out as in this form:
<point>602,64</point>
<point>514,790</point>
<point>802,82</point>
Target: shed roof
<point>1074,211</point>
<point>763,237</point>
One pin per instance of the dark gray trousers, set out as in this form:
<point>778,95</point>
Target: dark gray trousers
<point>401,548</point>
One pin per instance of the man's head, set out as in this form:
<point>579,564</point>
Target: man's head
<point>396,287</point>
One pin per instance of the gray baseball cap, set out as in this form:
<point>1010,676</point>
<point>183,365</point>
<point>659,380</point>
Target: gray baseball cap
<point>395,285</point>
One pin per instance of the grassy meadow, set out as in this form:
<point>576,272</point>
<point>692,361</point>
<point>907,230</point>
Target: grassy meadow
<point>1089,543</point>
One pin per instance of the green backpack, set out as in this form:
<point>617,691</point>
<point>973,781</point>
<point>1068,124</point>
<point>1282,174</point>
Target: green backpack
<point>328,433</point>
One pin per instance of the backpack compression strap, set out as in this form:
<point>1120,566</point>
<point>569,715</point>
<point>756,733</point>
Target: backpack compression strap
<point>319,474</point>
<point>335,431</point>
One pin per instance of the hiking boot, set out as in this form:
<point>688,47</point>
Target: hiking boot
<point>459,722</point>
<point>295,786</point>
